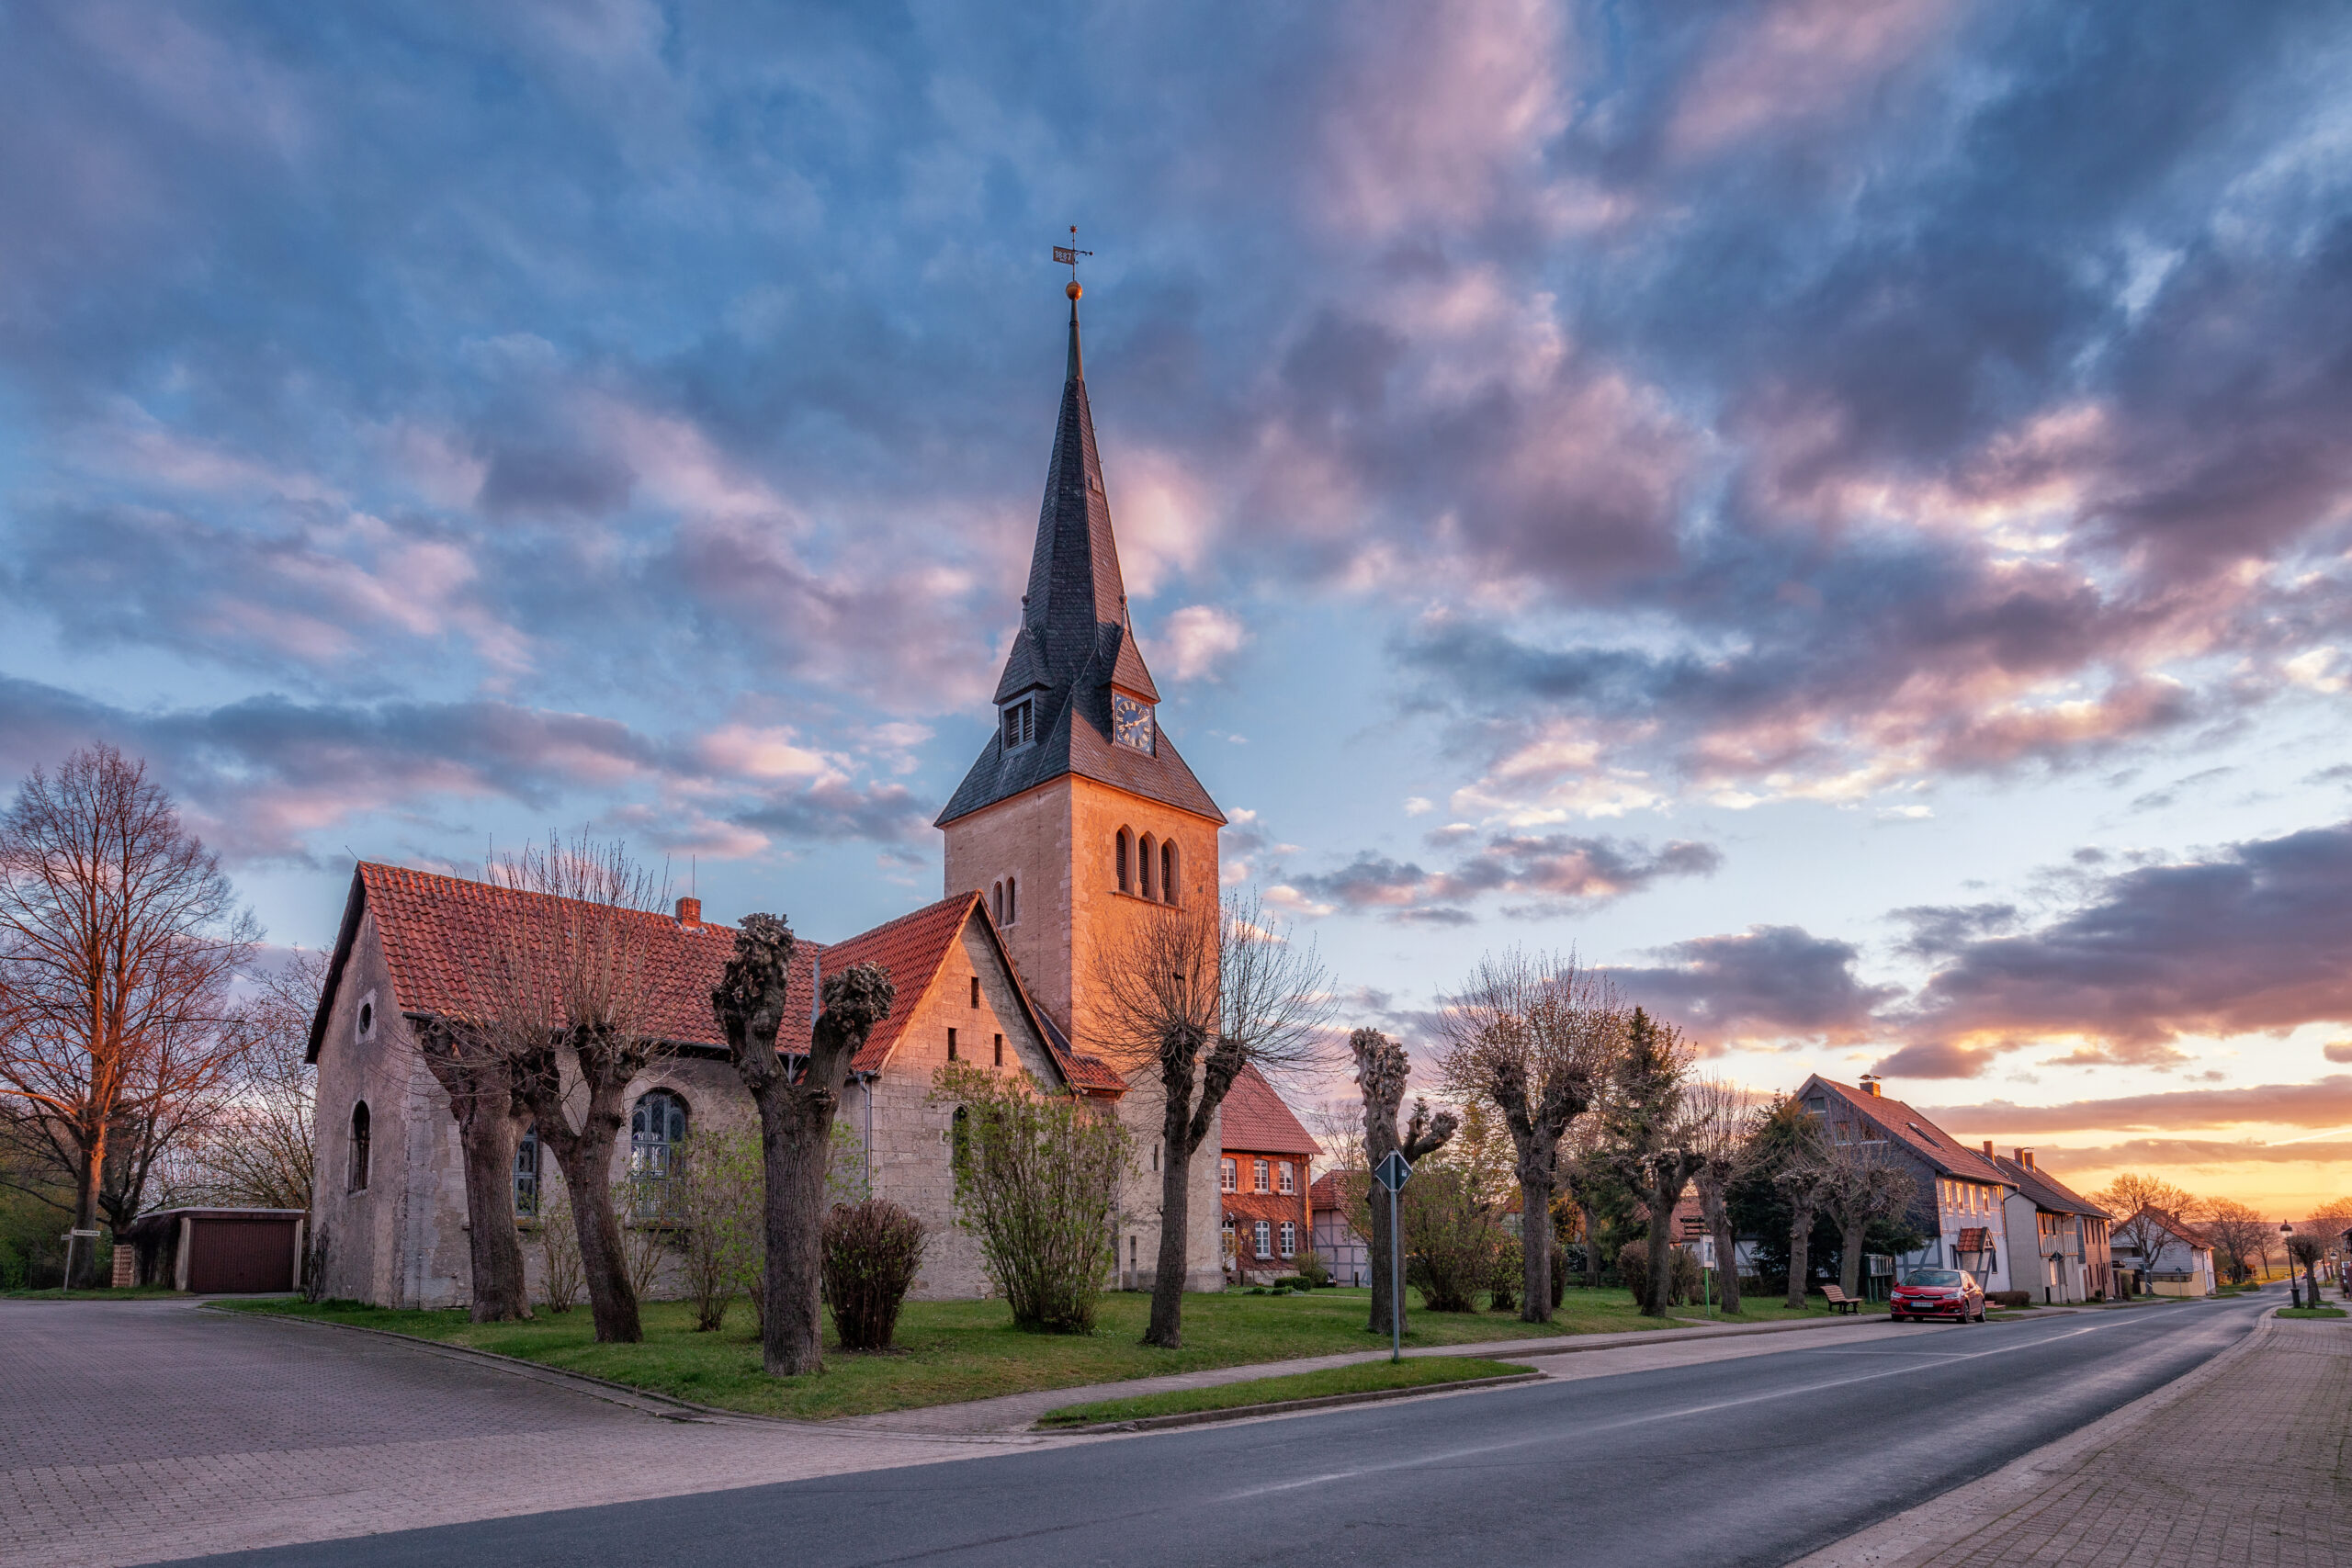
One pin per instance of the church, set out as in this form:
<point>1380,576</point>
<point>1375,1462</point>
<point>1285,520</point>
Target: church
<point>1078,815</point>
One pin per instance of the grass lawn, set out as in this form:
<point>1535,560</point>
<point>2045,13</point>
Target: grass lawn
<point>135,1294</point>
<point>2311,1311</point>
<point>1364,1378</point>
<point>950,1351</point>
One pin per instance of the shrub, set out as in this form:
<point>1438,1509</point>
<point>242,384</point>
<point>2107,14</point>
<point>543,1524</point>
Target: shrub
<point>1038,1183</point>
<point>560,1275</point>
<point>873,1249</point>
<point>1683,1279</point>
<point>1312,1269</point>
<point>1450,1239</point>
<point>718,1191</point>
<point>1502,1287</point>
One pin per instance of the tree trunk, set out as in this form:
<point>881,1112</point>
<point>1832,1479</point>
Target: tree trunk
<point>1166,1328</point>
<point>586,1158</point>
<point>1385,1306</point>
<point>487,1140</point>
<point>792,1332</point>
<point>84,1250</point>
<point>1849,1263</point>
<point>1661,1251</point>
<point>1726,1252</point>
<point>1592,1245</point>
<point>1800,1248</point>
<point>1535,1249</point>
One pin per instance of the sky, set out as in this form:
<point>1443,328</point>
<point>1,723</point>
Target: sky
<point>1838,513</point>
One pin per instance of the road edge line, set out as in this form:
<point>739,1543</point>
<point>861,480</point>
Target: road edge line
<point>1285,1406</point>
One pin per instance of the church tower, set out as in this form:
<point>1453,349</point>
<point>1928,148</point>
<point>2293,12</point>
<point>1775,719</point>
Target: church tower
<point>1080,811</point>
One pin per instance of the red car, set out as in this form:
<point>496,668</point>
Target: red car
<point>1938,1292</point>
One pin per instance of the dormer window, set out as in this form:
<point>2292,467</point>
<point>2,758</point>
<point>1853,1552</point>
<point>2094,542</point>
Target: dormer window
<point>1131,722</point>
<point>1020,723</point>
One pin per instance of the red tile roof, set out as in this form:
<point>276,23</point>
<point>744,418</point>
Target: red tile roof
<point>1915,1132</point>
<point>1254,1117</point>
<point>1324,1191</point>
<point>428,923</point>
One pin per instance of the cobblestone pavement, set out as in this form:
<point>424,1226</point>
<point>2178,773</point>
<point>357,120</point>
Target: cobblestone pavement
<point>2247,1463</point>
<point>142,1432</point>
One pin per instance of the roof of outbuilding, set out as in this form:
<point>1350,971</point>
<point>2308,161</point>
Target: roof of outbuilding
<point>1254,1120</point>
<point>427,923</point>
<point>1915,1132</point>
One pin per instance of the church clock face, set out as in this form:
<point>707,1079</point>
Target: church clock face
<point>1130,721</point>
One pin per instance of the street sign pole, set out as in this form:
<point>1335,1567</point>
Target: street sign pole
<point>1395,1285</point>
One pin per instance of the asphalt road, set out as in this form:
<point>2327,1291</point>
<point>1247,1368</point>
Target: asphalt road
<point>1755,1460</point>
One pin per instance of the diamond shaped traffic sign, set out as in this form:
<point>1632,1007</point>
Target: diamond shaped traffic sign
<point>1392,1172</point>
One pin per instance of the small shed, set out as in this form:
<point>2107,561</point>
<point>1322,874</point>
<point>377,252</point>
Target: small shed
<point>220,1251</point>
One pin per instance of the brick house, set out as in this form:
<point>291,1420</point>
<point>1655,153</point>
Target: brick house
<point>2054,1230</point>
<point>1263,1184</point>
<point>1078,818</point>
<point>1960,1194</point>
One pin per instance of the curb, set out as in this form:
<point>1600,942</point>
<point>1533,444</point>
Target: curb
<point>1972,1506</point>
<point>1283,1407</point>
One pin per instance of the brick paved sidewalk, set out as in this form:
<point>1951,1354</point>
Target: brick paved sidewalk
<point>142,1432</point>
<point>2244,1463</point>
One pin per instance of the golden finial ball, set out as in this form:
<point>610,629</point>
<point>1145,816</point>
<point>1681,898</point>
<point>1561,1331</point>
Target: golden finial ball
<point>1073,290</point>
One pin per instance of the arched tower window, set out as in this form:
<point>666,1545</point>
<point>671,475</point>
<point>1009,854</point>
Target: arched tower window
<point>356,1181</point>
<point>1127,851</point>
<point>1012,899</point>
<point>1143,869</point>
<point>1169,881</point>
<point>995,901</point>
<point>526,1173</point>
<point>656,1128</point>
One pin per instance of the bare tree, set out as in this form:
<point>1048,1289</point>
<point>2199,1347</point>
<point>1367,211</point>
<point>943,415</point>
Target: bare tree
<point>1803,1179</point>
<point>259,1147</point>
<point>476,1064</point>
<point>2239,1235</point>
<point>118,935</point>
<point>797,1111</point>
<point>1864,1188</point>
<point>568,982</point>
<point>1534,1036</point>
<point>1652,1140</point>
<point>1191,995</point>
<point>1382,1068</point>
<point>1582,1171</point>
<point>2146,1207</point>
<point>1721,1117</point>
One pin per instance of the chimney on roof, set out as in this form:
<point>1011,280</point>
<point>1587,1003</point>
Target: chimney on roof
<point>1870,1084</point>
<point>690,912</point>
<point>1988,1148</point>
<point>2025,1157</point>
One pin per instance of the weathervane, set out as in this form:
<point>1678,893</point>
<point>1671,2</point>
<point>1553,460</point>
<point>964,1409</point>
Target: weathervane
<point>1069,253</point>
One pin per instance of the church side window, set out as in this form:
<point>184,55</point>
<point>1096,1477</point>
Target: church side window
<point>1126,850</point>
<point>656,1128</point>
<point>356,1180</point>
<point>1143,869</point>
<point>1168,881</point>
<point>1020,723</point>
<point>1012,900</point>
<point>526,1174</point>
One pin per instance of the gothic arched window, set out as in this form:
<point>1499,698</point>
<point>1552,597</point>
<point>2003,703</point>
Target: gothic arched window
<point>1168,879</point>
<point>995,901</point>
<point>1012,899</point>
<point>1143,870</point>
<point>1127,858</point>
<point>656,1128</point>
<point>526,1173</point>
<point>358,1180</point>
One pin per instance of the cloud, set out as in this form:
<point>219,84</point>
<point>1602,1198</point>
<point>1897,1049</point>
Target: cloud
<point>1554,871</point>
<point>2325,1103</point>
<point>1201,637</point>
<point>1768,983</point>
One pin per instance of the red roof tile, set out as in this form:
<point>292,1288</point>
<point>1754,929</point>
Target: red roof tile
<point>1923,1137</point>
<point>1254,1117</point>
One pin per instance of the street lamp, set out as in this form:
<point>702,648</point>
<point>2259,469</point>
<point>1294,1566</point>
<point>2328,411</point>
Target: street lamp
<point>2287,1246</point>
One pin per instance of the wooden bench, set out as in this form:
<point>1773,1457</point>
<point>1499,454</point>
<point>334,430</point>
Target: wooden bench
<point>1840,1301</point>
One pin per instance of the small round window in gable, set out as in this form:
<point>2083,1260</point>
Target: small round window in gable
<point>367,1019</point>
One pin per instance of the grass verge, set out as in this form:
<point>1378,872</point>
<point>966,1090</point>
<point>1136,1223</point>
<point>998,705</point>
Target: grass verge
<point>951,1351</point>
<point>1366,1377</point>
<point>129,1294</point>
<point>2311,1311</point>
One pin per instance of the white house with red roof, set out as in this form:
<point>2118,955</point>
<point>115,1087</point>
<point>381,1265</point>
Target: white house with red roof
<point>1078,820</point>
<point>1960,1193</point>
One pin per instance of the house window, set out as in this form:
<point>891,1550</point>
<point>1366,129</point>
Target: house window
<point>976,990</point>
<point>526,1174</point>
<point>951,1044</point>
<point>1290,1238</point>
<point>1125,851</point>
<point>1225,1182</point>
<point>959,1136</point>
<point>1263,1233</point>
<point>1000,1050</point>
<point>1284,1181</point>
<point>356,1180</point>
<point>1258,1177</point>
<point>1168,880</point>
<point>1817,1104</point>
<point>1020,724</point>
<point>656,1128</point>
<point>1229,1233</point>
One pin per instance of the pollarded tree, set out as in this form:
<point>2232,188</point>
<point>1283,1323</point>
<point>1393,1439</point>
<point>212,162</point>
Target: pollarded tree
<point>796,1109</point>
<point>477,1075</point>
<point>1652,1139</point>
<point>2238,1235</point>
<point>1190,996</point>
<point>1723,1124</point>
<point>1535,1037</point>
<point>1382,1068</point>
<point>1865,1186</point>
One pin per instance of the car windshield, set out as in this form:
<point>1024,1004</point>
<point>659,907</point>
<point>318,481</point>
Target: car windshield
<point>1933,1277</point>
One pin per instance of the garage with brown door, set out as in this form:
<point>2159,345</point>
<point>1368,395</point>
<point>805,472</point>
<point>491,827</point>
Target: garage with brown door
<point>220,1251</point>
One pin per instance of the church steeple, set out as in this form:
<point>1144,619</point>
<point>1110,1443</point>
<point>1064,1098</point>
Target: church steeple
<point>1075,642</point>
